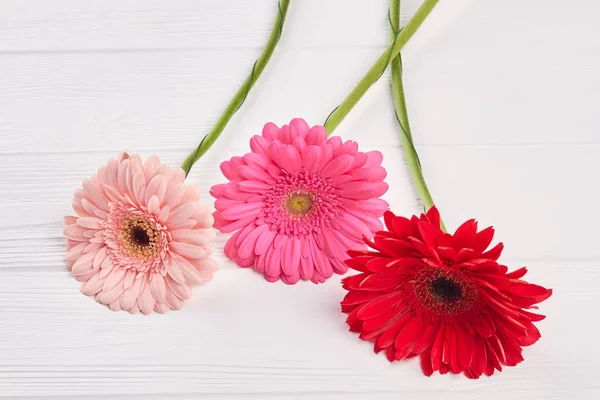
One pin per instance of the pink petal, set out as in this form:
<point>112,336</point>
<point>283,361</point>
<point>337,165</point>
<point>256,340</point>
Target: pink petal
<point>290,262</point>
<point>174,271</point>
<point>263,242</point>
<point>157,286</point>
<point>247,247</point>
<point>338,166</point>
<point>182,212</point>
<point>187,250</point>
<point>182,291</point>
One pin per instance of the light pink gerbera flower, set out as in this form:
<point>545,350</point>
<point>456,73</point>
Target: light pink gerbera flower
<point>298,202</point>
<point>140,238</point>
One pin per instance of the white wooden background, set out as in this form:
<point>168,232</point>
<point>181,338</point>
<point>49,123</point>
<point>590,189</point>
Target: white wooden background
<point>503,95</point>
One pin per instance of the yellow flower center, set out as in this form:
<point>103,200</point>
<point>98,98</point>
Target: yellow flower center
<point>299,203</point>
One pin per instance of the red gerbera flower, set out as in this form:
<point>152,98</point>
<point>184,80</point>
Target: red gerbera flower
<point>441,296</point>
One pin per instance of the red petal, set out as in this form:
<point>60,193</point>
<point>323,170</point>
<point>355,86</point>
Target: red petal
<point>429,233</point>
<point>388,337</point>
<point>479,361</point>
<point>483,240</point>
<point>465,348</point>
<point>437,350</point>
<point>388,218</point>
<point>426,363</point>
<point>356,297</point>
<point>454,364</point>
<point>402,227</point>
<point>447,341</point>
<point>433,215</point>
<point>379,306</point>
<point>494,253</point>
<point>383,320</point>
<point>393,247</point>
<point>466,231</point>
<point>533,317</point>
<point>358,263</point>
<point>519,273</point>
<point>427,338</point>
<point>408,335</point>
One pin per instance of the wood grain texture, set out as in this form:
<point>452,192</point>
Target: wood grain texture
<point>502,97</point>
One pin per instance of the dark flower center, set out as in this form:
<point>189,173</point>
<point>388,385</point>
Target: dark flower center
<point>140,236</point>
<point>446,290</point>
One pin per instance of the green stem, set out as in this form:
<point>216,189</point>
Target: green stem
<point>242,93</point>
<point>336,117</point>
<point>410,153</point>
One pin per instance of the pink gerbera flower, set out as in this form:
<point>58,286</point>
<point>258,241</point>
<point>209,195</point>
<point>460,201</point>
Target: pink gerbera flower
<point>140,238</point>
<point>298,202</point>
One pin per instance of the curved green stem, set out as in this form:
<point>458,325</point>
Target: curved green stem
<point>243,91</point>
<point>410,153</point>
<point>336,117</point>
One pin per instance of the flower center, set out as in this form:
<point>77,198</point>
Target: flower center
<point>445,292</point>
<point>135,239</point>
<point>139,236</point>
<point>299,203</point>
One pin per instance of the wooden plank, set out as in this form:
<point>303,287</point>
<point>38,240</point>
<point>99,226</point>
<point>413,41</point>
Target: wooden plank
<point>58,102</point>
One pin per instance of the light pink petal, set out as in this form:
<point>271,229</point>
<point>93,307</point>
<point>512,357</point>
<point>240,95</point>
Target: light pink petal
<point>157,286</point>
<point>74,253</point>
<point>182,291</point>
<point>113,279</point>
<point>92,286</point>
<point>182,212</point>
<point>173,301</point>
<point>130,295</point>
<point>108,296</point>
<point>100,256</point>
<point>161,308</point>
<point>75,232</point>
<point>187,250</point>
<point>84,264</point>
<point>192,193</point>
<point>191,274</point>
<point>154,206</point>
<point>174,195</point>
<point>89,222</point>
<point>146,300</point>
<point>151,167</point>
<point>70,220</point>
<point>156,187</point>
<point>174,271</point>
<point>94,193</point>
<point>191,236</point>
<point>129,278</point>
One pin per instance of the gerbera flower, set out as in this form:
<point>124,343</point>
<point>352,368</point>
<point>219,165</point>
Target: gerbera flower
<point>140,238</point>
<point>298,201</point>
<point>443,297</point>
